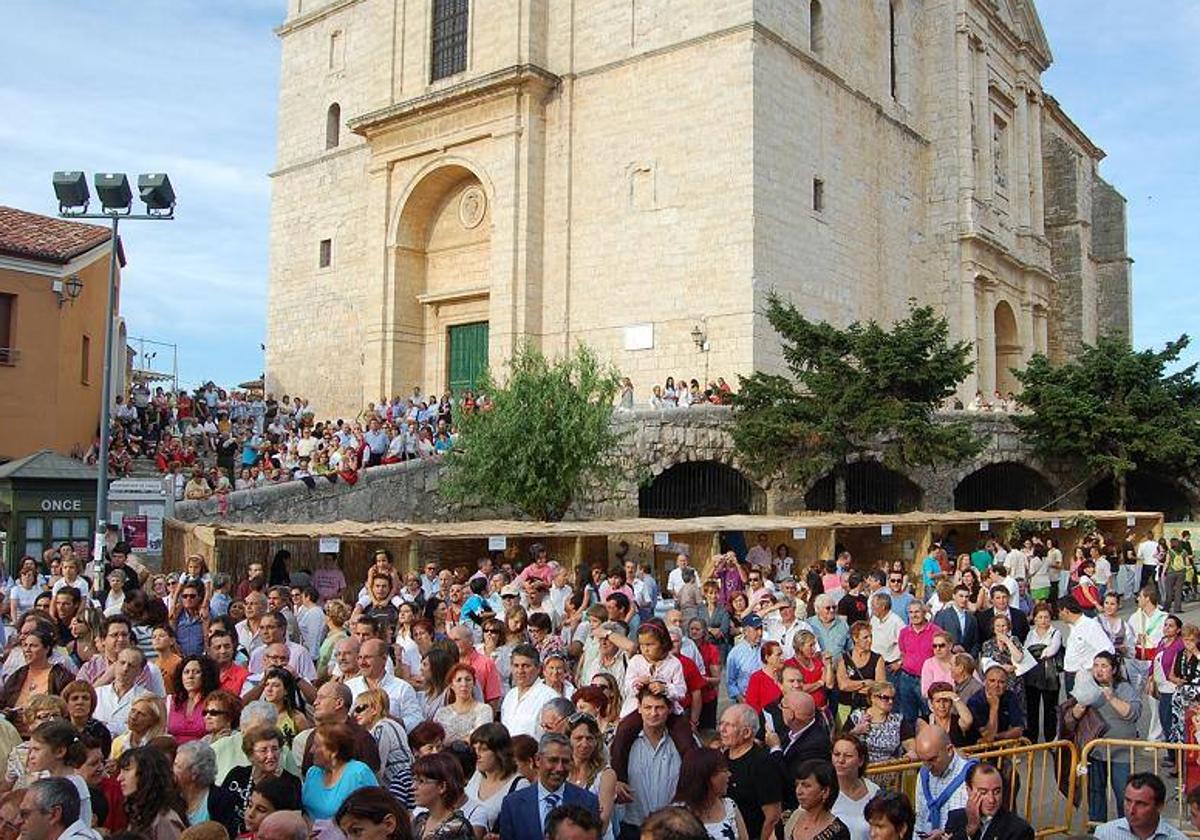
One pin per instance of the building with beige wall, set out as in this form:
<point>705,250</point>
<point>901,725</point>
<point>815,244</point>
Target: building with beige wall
<point>456,175</point>
<point>52,345</point>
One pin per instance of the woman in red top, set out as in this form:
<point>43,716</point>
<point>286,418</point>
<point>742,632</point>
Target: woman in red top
<point>711,654</point>
<point>766,683</point>
<point>816,676</point>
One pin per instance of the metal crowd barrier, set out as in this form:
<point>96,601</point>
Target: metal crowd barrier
<point>1145,756</point>
<point>1032,773</point>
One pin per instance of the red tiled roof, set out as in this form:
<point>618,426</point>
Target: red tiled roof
<point>44,238</point>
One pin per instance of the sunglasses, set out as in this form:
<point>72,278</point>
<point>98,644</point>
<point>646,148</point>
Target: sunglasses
<point>890,698</point>
<point>359,709</point>
<point>939,646</point>
<point>215,713</point>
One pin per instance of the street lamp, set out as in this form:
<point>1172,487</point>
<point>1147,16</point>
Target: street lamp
<point>116,201</point>
<point>68,290</point>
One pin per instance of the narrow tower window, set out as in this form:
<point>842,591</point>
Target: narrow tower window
<point>333,126</point>
<point>816,37</point>
<point>893,59</point>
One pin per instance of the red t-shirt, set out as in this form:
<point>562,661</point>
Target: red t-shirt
<point>692,678</point>
<point>711,655</point>
<point>762,690</point>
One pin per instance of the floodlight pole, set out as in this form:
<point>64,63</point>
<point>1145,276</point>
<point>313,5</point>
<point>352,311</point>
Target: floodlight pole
<point>114,218</point>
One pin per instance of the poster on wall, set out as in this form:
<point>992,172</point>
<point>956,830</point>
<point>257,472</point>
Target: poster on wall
<point>135,529</point>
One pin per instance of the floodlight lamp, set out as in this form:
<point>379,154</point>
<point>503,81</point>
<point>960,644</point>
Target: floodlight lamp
<point>158,194</point>
<point>112,188</point>
<point>71,189</point>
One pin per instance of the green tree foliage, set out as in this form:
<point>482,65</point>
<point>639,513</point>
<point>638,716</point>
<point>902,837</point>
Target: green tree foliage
<point>1115,410</point>
<point>852,392</point>
<point>548,436</point>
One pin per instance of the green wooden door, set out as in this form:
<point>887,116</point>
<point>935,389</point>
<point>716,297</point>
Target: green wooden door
<point>468,354</point>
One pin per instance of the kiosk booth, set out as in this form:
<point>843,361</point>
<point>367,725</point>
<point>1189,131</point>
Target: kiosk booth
<point>46,499</point>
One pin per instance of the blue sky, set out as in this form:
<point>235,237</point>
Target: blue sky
<point>189,87</point>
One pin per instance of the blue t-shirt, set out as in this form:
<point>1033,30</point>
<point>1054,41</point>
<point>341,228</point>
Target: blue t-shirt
<point>474,604</point>
<point>322,803</point>
<point>930,568</point>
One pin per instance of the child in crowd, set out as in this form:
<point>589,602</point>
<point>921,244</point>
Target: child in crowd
<point>657,667</point>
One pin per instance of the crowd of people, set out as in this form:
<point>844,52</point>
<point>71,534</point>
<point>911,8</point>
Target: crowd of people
<point>524,699</point>
<point>215,441</point>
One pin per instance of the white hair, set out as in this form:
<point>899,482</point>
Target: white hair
<point>749,717</point>
<point>823,600</point>
<point>259,712</point>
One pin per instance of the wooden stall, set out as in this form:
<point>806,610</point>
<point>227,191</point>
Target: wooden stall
<point>231,547</point>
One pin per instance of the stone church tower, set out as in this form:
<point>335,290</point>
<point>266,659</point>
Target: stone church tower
<point>455,175</point>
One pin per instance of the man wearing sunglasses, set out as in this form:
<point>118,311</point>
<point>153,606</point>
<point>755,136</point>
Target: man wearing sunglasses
<point>189,615</point>
<point>333,704</point>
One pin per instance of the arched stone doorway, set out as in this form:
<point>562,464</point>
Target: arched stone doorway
<point>1003,486</point>
<point>700,488</point>
<point>1008,347</point>
<point>870,488</point>
<point>1143,491</point>
<point>442,258</point>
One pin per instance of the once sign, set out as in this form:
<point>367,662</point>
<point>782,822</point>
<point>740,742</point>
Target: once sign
<point>62,505</point>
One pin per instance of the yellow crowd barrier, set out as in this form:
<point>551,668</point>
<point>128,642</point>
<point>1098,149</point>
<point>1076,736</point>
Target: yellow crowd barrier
<point>1145,757</point>
<point>1031,771</point>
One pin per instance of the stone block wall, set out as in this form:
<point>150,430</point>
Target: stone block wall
<point>1113,265</point>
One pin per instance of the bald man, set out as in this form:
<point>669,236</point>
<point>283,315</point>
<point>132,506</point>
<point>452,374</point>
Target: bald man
<point>806,737</point>
<point>942,781</point>
<point>283,825</point>
<point>372,673</point>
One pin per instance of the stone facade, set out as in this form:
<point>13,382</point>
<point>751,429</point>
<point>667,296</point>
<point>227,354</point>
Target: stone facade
<point>636,173</point>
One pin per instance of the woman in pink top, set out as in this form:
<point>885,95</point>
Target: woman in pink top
<point>198,676</point>
<point>937,667</point>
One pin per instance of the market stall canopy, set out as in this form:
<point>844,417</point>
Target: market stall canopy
<point>209,533</point>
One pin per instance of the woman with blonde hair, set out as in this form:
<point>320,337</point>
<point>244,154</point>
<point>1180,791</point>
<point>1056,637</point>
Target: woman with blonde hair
<point>43,708</point>
<point>396,758</point>
<point>336,616</point>
<point>147,721</point>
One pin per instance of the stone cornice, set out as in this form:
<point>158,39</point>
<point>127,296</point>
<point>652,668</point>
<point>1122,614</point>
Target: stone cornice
<point>1055,112</point>
<point>499,82</point>
<point>288,27</point>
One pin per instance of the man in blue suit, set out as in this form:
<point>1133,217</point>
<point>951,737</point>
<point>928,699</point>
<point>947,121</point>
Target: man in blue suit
<point>960,622</point>
<point>524,814</point>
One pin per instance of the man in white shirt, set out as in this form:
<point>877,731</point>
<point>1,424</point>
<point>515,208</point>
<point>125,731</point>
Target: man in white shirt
<point>885,631</point>
<point>273,629</point>
<point>782,625</point>
<point>114,700</point>
<point>675,578</point>
<point>522,705</point>
<point>1147,623</point>
<point>945,769</point>
<point>1086,640</point>
<point>1147,557</point>
<point>372,674</point>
